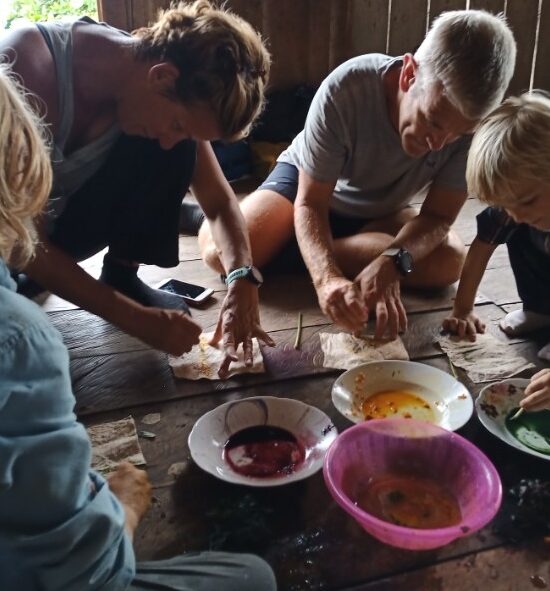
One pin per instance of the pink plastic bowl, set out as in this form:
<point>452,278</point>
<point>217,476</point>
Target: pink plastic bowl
<point>412,447</point>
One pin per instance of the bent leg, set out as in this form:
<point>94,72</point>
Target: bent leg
<point>206,571</point>
<point>269,218</point>
<point>439,269</point>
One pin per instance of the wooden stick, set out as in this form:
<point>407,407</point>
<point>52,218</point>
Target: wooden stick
<point>453,370</point>
<point>298,332</point>
<point>517,414</point>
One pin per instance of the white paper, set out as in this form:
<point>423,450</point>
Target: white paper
<point>344,351</point>
<point>204,360</point>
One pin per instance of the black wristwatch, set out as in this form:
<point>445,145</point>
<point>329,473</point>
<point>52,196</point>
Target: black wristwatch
<point>402,258</point>
<point>249,272</point>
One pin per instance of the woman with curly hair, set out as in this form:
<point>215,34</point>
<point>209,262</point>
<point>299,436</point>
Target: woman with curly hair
<point>131,118</point>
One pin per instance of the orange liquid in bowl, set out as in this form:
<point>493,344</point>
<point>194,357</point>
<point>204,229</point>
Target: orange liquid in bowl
<point>410,501</point>
<point>397,403</point>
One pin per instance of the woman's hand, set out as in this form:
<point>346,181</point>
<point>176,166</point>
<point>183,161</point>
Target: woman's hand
<point>133,489</point>
<point>537,393</point>
<point>464,324</point>
<point>239,322</point>
<point>171,331</point>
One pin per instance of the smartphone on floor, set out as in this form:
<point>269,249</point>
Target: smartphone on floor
<point>192,294</point>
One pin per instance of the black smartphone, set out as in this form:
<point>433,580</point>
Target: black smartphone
<point>192,294</point>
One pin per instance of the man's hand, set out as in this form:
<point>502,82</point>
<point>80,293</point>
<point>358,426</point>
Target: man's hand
<point>380,290</point>
<point>133,489</point>
<point>341,301</point>
<point>239,322</point>
<point>171,331</point>
<point>464,324</point>
<point>537,393</point>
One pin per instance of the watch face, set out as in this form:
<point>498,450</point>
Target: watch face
<point>256,275</point>
<point>405,261</point>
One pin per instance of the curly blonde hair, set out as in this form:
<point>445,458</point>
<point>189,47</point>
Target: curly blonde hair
<point>221,59</point>
<point>25,171</point>
<point>511,149</point>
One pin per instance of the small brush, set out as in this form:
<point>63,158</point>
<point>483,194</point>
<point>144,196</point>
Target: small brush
<point>517,414</point>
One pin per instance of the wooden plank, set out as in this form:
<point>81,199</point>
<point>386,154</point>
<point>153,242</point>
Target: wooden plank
<point>542,63</point>
<point>499,285</point>
<point>250,10</point>
<point>494,6</point>
<point>304,535</point>
<point>340,25</point>
<point>439,6</point>
<point>407,25</point>
<point>318,47</point>
<point>117,14</point>
<point>510,568</point>
<point>522,16</point>
<point>285,24</point>
<point>369,26</point>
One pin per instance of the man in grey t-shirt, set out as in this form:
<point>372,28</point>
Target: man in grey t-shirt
<point>379,132</point>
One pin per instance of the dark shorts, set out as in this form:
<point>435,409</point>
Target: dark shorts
<point>283,179</point>
<point>131,205</point>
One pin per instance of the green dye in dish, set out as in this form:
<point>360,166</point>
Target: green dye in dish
<point>532,429</point>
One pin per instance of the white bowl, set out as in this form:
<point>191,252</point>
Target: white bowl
<point>493,405</point>
<point>449,400</point>
<point>312,428</point>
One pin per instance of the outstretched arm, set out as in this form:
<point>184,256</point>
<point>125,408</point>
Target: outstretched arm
<point>463,321</point>
<point>339,298</point>
<point>239,319</point>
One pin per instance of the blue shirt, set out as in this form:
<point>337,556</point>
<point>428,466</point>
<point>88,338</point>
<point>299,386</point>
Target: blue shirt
<point>60,525</point>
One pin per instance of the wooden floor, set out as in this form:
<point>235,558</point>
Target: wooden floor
<point>309,541</point>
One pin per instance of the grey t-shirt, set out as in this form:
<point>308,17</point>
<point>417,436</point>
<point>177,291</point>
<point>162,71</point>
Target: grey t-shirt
<point>348,136</point>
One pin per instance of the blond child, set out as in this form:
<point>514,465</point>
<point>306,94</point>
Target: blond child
<point>509,168</point>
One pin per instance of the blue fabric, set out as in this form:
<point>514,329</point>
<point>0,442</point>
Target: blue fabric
<point>60,526</point>
<point>495,226</point>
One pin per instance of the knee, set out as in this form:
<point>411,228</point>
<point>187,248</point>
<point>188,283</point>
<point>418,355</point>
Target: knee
<point>208,249</point>
<point>447,265</point>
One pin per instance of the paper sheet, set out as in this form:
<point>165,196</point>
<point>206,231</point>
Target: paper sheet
<point>485,360</point>
<point>113,443</point>
<point>203,361</point>
<point>344,351</point>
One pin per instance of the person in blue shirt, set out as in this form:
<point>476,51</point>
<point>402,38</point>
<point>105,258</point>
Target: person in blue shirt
<point>63,526</point>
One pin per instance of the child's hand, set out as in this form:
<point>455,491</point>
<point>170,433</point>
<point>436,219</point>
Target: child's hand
<point>537,393</point>
<point>465,324</point>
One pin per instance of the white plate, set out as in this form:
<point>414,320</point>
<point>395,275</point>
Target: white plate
<point>311,427</point>
<point>494,403</point>
<point>449,399</point>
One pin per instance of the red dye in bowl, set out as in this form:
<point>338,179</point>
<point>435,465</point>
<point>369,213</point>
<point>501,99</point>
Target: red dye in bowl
<point>263,451</point>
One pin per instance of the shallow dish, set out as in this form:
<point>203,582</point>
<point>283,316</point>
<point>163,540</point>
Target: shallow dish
<point>376,448</point>
<point>311,427</point>
<point>493,405</point>
<point>449,400</point>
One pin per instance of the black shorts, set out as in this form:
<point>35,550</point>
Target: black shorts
<point>131,205</point>
<point>283,179</point>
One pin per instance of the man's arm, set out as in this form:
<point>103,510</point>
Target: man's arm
<point>239,319</point>
<point>338,297</point>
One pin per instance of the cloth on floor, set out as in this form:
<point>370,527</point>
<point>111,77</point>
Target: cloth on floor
<point>204,360</point>
<point>485,360</point>
<point>113,443</point>
<point>344,351</point>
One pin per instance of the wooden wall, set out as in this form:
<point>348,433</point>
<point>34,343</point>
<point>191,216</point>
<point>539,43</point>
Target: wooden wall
<point>308,38</point>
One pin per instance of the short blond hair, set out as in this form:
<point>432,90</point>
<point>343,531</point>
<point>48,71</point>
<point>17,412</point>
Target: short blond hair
<point>511,149</point>
<point>221,59</point>
<point>25,170</point>
<point>471,54</point>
